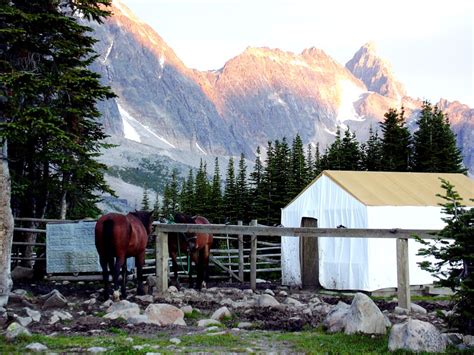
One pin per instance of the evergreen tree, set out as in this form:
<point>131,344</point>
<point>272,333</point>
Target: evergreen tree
<point>171,197</point>
<point>156,207</point>
<point>298,173</point>
<point>230,193</point>
<point>435,144</point>
<point>310,164</point>
<point>372,152</point>
<point>187,196</point>
<point>319,162</point>
<point>51,119</point>
<point>202,191</point>
<point>145,200</point>
<point>396,142</point>
<point>215,199</point>
<point>242,191</point>
<point>258,206</point>
<point>454,265</point>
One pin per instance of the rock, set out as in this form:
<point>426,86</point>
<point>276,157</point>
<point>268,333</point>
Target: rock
<point>401,311</point>
<point>248,292</point>
<point>469,341</point>
<point>62,315</point>
<point>97,349</point>
<point>293,302</point>
<point>269,292</point>
<point>221,313</point>
<point>54,319</point>
<point>3,317</point>
<point>260,281</point>
<point>14,330</point>
<point>138,319</point>
<point>36,347</point>
<point>187,310</point>
<point>315,300</point>
<point>417,309</point>
<point>283,293</point>
<point>364,317</point>
<point>145,298</point>
<point>54,299</point>
<point>335,320</point>
<point>453,338</point>
<point>164,314</point>
<point>212,328</point>
<point>20,292</point>
<point>244,325</point>
<point>175,341</point>
<point>172,289</point>
<point>22,273</point>
<point>415,335</point>
<point>217,333</point>
<point>24,321</point>
<point>123,309</point>
<point>267,301</point>
<point>35,315</point>
<point>204,323</point>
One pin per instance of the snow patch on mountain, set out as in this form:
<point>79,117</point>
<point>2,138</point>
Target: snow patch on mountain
<point>349,94</point>
<point>128,131</point>
<point>200,149</point>
<point>108,52</point>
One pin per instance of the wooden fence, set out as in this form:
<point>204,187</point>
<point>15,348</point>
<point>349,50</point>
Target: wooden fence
<point>254,231</point>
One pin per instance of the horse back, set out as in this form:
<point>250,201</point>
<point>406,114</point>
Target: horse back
<point>110,230</point>
<point>203,238</point>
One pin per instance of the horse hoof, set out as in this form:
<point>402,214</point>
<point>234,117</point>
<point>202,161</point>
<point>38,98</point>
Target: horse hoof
<point>116,296</point>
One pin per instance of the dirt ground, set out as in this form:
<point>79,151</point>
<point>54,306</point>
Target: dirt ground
<point>87,319</point>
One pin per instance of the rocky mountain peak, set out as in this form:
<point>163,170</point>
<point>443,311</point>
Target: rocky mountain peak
<point>376,73</point>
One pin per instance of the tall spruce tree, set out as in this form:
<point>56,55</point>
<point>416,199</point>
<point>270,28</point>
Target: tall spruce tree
<point>310,165</point>
<point>434,143</point>
<point>171,197</point>
<point>215,198</point>
<point>50,114</point>
<point>298,169</point>
<point>145,200</point>
<point>202,191</point>
<point>258,206</point>
<point>242,191</point>
<point>372,152</point>
<point>187,197</point>
<point>230,193</point>
<point>396,142</point>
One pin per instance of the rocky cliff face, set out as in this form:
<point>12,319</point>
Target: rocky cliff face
<point>262,94</point>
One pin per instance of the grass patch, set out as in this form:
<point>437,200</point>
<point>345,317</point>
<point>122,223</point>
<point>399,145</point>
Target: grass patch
<point>194,315</point>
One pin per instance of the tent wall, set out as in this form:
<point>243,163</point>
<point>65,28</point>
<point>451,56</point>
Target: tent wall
<point>382,259</point>
<point>342,262</point>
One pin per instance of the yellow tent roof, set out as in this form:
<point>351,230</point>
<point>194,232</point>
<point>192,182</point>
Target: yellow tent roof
<point>375,188</point>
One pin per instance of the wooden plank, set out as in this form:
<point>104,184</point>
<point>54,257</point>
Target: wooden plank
<point>31,244</point>
<point>29,230</point>
<point>241,254</point>
<point>299,232</point>
<point>403,277</point>
<point>253,258</point>
<point>161,250</point>
<point>223,267</point>
<point>309,254</point>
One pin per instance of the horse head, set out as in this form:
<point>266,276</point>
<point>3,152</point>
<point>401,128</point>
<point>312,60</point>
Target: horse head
<point>146,217</point>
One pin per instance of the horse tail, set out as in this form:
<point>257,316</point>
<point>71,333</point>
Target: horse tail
<point>108,233</point>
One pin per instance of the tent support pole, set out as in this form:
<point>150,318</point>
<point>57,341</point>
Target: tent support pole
<point>403,276</point>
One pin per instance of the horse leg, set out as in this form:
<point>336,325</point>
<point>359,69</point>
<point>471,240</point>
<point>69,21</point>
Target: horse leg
<point>105,276</point>
<point>119,261</point>
<point>205,266</point>
<point>123,286</point>
<point>174,265</point>
<point>200,269</point>
<point>194,258</point>
<point>140,261</point>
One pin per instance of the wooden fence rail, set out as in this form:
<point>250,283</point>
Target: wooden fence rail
<point>402,236</point>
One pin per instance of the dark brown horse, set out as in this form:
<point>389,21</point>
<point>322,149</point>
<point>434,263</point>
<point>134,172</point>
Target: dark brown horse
<point>118,237</point>
<point>196,245</point>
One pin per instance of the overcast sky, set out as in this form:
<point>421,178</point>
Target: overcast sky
<point>429,43</point>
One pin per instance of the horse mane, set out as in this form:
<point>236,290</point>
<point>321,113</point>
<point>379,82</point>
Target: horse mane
<point>144,217</point>
<point>183,218</point>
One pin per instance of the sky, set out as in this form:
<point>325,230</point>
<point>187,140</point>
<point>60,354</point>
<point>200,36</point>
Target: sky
<point>429,43</point>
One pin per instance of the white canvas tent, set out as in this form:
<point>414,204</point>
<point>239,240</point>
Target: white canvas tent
<point>366,200</point>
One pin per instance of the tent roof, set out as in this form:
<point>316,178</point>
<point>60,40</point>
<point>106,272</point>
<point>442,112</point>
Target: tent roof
<point>376,188</point>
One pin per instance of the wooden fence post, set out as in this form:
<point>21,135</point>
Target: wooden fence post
<point>161,257</point>
<point>241,254</point>
<point>309,254</point>
<point>253,258</point>
<point>403,276</point>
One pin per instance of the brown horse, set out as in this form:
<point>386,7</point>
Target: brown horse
<point>121,236</point>
<point>197,246</point>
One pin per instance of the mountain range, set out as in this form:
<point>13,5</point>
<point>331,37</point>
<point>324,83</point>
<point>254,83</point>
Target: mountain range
<point>165,109</point>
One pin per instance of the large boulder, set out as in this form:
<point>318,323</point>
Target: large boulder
<point>123,309</point>
<point>416,335</point>
<point>267,301</point>
<point>221,314</point>
<point>22,273</point>
<point>362,316</point>
<point>164,314</point>
<point>54,299</point>
<point>15,330</point>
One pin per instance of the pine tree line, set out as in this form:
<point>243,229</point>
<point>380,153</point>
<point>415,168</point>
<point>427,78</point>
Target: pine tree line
<point>287,170</point>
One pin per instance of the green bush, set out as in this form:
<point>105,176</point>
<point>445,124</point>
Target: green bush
<point>454,266</point>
